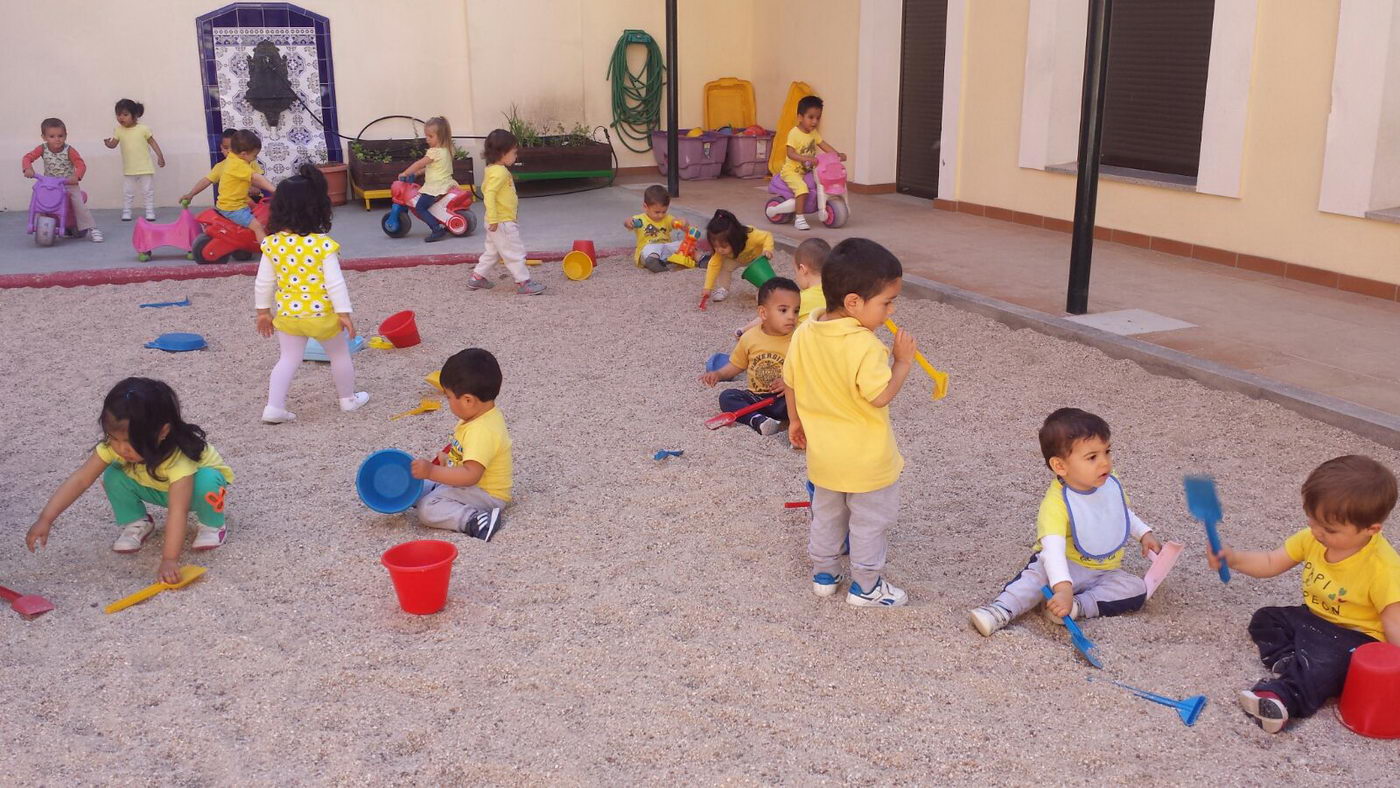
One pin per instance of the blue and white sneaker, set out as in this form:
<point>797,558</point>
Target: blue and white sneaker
<point>882,595</point>
<point>826,584</point>
<point>485,525</point>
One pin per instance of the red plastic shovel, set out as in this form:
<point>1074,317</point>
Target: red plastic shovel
<point>725,419</point>
<point>27,605</point>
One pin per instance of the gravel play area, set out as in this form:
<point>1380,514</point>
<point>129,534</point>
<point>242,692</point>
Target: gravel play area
<point>636,621</point>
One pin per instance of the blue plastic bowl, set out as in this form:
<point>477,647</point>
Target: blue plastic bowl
<point>716,362</point>
<point>177,342</point>
<point>315,352</point>
<point>385,484</point>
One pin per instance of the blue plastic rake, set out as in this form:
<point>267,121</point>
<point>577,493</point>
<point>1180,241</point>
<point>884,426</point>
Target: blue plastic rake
<point>1189,709</point>
<point>1076,635</point>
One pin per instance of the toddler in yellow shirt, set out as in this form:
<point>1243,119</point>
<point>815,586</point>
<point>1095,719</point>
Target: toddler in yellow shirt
<point>839,387</point>
<point>503,242</point>
<point>761,351</point>
<point>654,227</point>
<point>807,262</point>
<point>1351,591</point>
<point>470,480</point>
<point>803,142</point>
<point>236,177</point>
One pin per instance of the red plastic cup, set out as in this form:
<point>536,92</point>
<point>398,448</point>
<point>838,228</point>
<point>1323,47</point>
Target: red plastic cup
<point>400,329</point>
<point>1370,703</point>
<point>421,571</point>
<point>587,248</point>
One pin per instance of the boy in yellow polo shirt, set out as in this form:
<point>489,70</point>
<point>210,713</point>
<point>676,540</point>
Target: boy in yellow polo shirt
<point>803,142</point>
<point>205,181</point>
<point>470,482</point>
<point>1351,591</point>
<point>236,178</point>
<point>761,351</point>
<point>839,387</point>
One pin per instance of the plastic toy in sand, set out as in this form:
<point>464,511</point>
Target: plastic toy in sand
<point>49,209</point>
<point>188,574</point>
<point>434,379</point>
<point>758,272</point>
<point>1076,635</point>
<point>425,405</point>
<point>1189,709</point>
<point>177,342</point>
<point>180,234</point>
<point>939,377</point>
<point>728,418</point>
<point>1370,702</point>
<point>1204,504</point>
<point>401,329</point>
<point>162,304</point>
<point>685,255</point>
<point>1162,563</point>
<point>385,484</point>
<point>577,266</point>
<point>716,362</point>
<point>664,453</point>
<point>30,606</point>
<point>421,572</point>
<point>315,351</point>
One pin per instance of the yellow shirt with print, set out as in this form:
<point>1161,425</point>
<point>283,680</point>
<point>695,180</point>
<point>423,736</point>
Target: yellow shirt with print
<point>759,244</point>
<point>834,369</point>
<point>437,178</point>
<point>652,233</point>
<point>1352,592</point>
<point>498,192</point>
<point>1053,520</point>
<point>176,467</point>
<point>762,355</point>
<point>805,144</point>
<point>134,143</point>
<point>235,179</point>
<point>218,171</point>
<point>812,299</point>
<point>485,440</point>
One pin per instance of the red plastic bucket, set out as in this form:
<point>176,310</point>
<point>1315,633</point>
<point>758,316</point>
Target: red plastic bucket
<point>587,248</point>
<point>400,329</point>
<point>1370,703</point>
<point>420,571</point>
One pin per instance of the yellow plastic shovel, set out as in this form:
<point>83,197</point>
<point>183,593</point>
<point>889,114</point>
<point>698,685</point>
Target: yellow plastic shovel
<point>187,576</point>
<point>939,378</point>
<point>424,406</point>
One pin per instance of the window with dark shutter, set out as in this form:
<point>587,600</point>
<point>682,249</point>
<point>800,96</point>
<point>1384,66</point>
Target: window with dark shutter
<point>923,42</point>
<point>1158,56</point>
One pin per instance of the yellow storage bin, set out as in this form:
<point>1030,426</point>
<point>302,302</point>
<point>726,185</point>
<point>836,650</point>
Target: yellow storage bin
<point>729,102</point>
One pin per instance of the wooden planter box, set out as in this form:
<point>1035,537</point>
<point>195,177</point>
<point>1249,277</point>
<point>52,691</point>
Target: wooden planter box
<point>372,179</point>
<point>549,162</point>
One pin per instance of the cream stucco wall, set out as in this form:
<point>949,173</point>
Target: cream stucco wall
<point>1276,215</point>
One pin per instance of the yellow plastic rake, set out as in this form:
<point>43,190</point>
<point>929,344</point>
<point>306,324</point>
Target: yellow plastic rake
<point>939,378</point>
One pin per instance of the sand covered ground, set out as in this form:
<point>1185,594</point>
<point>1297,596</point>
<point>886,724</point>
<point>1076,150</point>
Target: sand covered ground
<point>635,621</point>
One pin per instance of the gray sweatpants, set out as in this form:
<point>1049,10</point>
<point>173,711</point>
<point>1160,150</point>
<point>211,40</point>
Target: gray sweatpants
<point>1100,592</point>
<point>865,517</point>
<point>454,508</point>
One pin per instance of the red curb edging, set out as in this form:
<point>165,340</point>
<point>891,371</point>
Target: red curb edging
<point>135,275</point>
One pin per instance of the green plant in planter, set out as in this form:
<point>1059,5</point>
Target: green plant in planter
<point>363,154</point>
<point>525,132</point>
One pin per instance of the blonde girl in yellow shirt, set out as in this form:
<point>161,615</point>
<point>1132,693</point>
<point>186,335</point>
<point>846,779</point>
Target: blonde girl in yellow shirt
<point>134,139</point>
<point>735,245</point>
<point>437,180</point>
<point>503,242</point>
<point>300,267</point>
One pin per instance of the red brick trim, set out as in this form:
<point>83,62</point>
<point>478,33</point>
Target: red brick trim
<point>1264,265</point>
<point>870,188</point>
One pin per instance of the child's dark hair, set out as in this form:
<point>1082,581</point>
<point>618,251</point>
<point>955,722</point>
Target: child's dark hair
<point>1066,426</point>
<point>1353,489</point>
<point>472,371</point>
<point>860,266</point>
<point>813,252</point>
<point>51,123</point>
<point>228,135</point>
<point>302,204</point>
<point>726,227</point>
<point>774,285</point>
<point>243,141</point>
<point>134,108</point>
<point>808,102</point>
<point>145,406</point>
<point>656,195</point>
<point>499,143</point>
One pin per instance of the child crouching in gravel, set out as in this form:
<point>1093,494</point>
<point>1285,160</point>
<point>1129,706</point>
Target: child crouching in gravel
<point>761,350</point>
<point>470,480</point>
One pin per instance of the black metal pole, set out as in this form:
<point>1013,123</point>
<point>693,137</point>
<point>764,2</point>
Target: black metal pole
<point>673,179</point>
<point>1086,193</point>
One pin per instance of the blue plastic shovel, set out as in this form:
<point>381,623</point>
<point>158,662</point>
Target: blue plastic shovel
<point>1204,504</point>
<point>1076,635</point>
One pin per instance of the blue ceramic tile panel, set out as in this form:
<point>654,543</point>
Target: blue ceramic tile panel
<point>250,15</point>
<point>275,15</point>
<point>299,19</point>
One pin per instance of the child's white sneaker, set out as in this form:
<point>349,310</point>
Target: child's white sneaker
<point>126,215</point>
<point>989,618</point>
<point>769,426</point>
<point>208,537</point>
<point>800,223</point>
<point>882,595</point>
<point>718,294</point>
<point>826,584</point>
<point>1268,712</point>
<point>150,215</point>
<point>134,535</point>
<point>273,415</point>
<point>348,404</point>
<point>95,235</point>
<point>1075,612</point>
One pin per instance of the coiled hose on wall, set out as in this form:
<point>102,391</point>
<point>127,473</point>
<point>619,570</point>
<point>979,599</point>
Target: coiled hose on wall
<point>636,97</point>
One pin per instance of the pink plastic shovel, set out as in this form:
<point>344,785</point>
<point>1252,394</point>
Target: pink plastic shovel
<point>1162,563</point>
<point>27,605</point>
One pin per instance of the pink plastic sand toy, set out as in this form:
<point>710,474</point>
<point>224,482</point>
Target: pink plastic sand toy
<point>179,234</point>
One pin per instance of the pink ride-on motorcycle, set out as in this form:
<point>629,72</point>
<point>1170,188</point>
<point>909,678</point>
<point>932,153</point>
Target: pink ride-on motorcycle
<point>49,211</point>
<point>826,193</point>
<point>453,209</point>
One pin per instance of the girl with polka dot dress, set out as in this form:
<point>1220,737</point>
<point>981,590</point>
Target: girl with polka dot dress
<point>300,271</point>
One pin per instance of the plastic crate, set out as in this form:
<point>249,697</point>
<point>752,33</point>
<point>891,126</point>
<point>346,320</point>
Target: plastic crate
<point>701,157</point>
<point>748,155</point>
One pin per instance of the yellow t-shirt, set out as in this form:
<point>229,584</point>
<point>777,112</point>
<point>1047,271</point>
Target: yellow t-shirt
<point>812,299</point>
<point>175,467</point>
<point>762,355</point>
<point>298,261</point>
<point>485,440</point>
<point>437,178</point>
<point>834,369</point>
<point>498,191</point>
<point>1352,592</point>
<point>1053,520</point>
<point>218,171</point>
<point>805,144</point>
<point>652,233</point>
<point>759,244</point>
<point>136,150</point>
<point>235,179</point>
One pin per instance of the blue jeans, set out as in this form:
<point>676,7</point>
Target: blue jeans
<point>241,217</point>
<point>420,209</point>
<point>731,400</point>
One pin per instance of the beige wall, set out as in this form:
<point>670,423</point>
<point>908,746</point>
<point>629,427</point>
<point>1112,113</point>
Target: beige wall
<point>1276,215</point>
<point>826,35</point>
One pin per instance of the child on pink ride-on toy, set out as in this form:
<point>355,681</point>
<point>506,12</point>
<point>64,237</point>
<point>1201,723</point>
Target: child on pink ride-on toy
<point>793,186</point>
<point>61,161</point>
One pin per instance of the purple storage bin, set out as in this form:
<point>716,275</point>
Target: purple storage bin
<point>701,157</point>
<point>748,155</point>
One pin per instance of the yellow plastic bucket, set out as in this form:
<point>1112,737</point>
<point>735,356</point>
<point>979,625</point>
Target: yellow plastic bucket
<point>578,266</point>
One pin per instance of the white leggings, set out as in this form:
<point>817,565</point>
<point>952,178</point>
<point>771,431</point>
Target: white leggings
<point>293,349</point>
<point>130,183</point>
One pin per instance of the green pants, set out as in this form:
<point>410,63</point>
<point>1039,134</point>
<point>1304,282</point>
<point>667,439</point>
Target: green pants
<point>129,499</point>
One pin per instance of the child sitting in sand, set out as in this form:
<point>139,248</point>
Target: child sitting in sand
<point>654,227</point>
<point>808,261</point>
<point>761,350</point>
<point>148,454</point>
<point>839,387</point>
<point>1084,522</point>
<point>470,481</point>
<point>735,245</point>
<point>61,160</point>
<point>1351,591</point>
<point>236,178</point>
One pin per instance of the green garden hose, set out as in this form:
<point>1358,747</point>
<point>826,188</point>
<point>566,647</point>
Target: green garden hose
<point>636,98</point>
